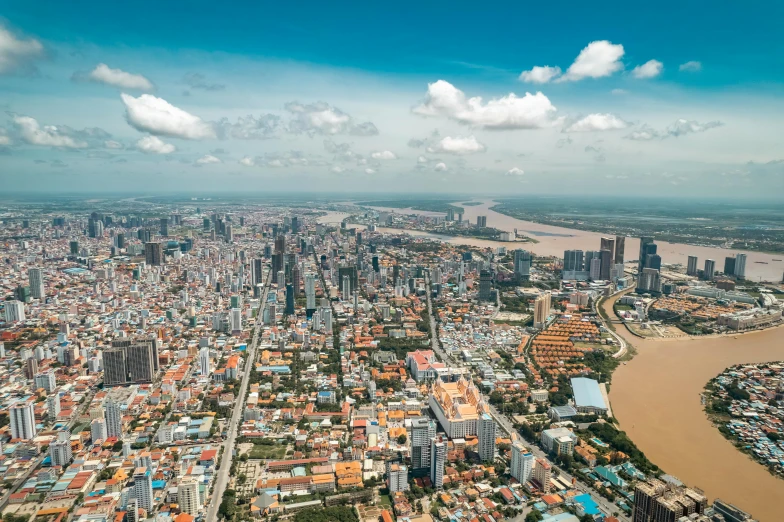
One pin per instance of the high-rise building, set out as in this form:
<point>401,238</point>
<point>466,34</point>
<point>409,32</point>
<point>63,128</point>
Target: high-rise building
<point>256,272</point>
<point>620,248</point>
<point>542,309</point>
<point>573,260</point>
<point>115,372</point>
<point>45,380</point>
<point>710,270</point>
<point>60,450</point>
<point>486,435</point>
<point>120,240</point>
<point>644,251</point>
<point>36,278</point>
<point>204,361</point>
<point>153,254</point>
<point>485,284</point>
<point>22,416</point>
<point>422,432</point>
<point>649,282</point>
<point>31,368</point>
<point>290,297</point>
<point>481,221</point>
<point>53,406</point>
<point>691,267</point>
<point>74,247</point>
<point>139,361</point>
<point>14,311</point>
<point>98,430</point>
<point>542,474</point>
<point>730,512</point>
<point>142,480</point>
<point>437,461</point>
<point>522,265</point>
<point>164,227</point>
<point>277,268</point>
<point>310,293</point>
<point>235,320</point>
<point>280,245</point>
<point>608,243</point>
<point>729,265</point>
<point>188,496</point>
<point>130,361</point>
<point>652,261</point>
<point>397,477</point>
<point>522,465</point>
<point>657,501</point>
<point>113,415</point>
<point>606,266</point>
<point>740,266</point>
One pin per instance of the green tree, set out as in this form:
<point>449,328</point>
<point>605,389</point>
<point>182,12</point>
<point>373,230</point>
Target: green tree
<point>534,516</point>
<point>401,439</point>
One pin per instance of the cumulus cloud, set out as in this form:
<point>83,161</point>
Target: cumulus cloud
<point>154,145</point>
<point>198,81</point>
<point>247,161</point>
<point>440,167</point>
<point>383,155</point>
<point>458,145</point>
<point>650,69</point>
<point>116,78</point>
<point>337,169</point>
<point>265,126</point>
<point>690,66</point>
<point>276,163</point>
<point>422,160</point>
<point>208,159</point>
<point>644,133</point>
<point>514,171</point>
<point>111,144</point>
<point>532,111</point>
<point>18,54</point>
<point>597,122</point>
<point>682,127</point>
<point>370,171</point>
<point>148,113</point>
<point>540,74</point>
<point>51,135</point>
<point>599,59</point>
<point>322,118</point>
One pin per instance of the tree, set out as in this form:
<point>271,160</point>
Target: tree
<point>401,439</point>
<point>534,516</point>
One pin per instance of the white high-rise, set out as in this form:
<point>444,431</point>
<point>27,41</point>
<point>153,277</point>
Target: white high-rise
<point>60,450</point>
<point>437,460</point>
<point>113,419</point>
<point>142,479</point>
<point>22,420</point>
<point>98,430</point>
<point>188,496</point>
<point>36,278</point>
<point>310,291</point>
<point>14,311</point>
<point>46,380</point>
<point>522,466</point>
<point>740,266</point>
<point>486,432</point>
<point>53,406</point>
<point>422,432</point>
<point>204,361</point>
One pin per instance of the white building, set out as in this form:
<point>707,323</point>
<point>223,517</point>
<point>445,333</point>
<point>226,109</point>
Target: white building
<point>310,291</point>
<point>53,406</point>
<point>188,496</point>
<point>22,420</point>
<point>204,361</point>
<point>142,479</point>
<point>46,380</point>
<point>486,433</point>
<point>14,311</point>
<point>422,432</point>
<point>522,466</point>
<point>437,460</point>
<point>559,441</point>
<point>98,430</point>
<point>60,450</point>
<point>36,277</point>
<point>397,477</point>
<point>114,426</point>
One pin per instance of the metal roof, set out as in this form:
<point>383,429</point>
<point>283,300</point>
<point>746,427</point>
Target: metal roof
<point>587,393</point>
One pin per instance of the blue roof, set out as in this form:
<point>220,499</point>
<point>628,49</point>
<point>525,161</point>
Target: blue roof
<point>587,393</point>
<point>588,503</point>
<point>158,484</point>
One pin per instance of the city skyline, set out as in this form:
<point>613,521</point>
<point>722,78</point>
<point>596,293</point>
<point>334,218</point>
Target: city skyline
<point>342,100</point>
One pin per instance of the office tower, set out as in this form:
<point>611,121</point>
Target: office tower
<point>14,311</point>
<point>204,361</point>
<point>522,265</point>
<point>294,224</point>
<point>691,268</point>
<point>422,432</point>
<point>573,260</point>
<point>60,450</point>
<point>280,244</point>
<point>145,235</point>
<point>74,245</point>
<point>139,361</point>
<point>652,261</point>
<point>522,466</point>
<point>450,214</point>
<point>327,317</point>
<point>115,370</point>
<point>235,320</point>
<point>113,415</point>
<point>604,271</point>
<point>395,274</point>
<point>595,269</point>
<point>644,242</point>
<point>345,288</point>
<point>296,279</point>
<point>164,227</point>
<point>256,272</point>
<point>608,243</point>
<point>542,309</point>
<point>710,269</point>
<point>542,474</point>
<point>290,299</point>
<point>351,272</point>
<point>153,254</point>
<point>45,380</point>
<point>649,281</point>
<point>228,234</point>
<point>31,368</point>
<point>485,285</point>
<point>53,406</point>
<point>486,436</point>
<point>36,278</point>
<point>120,240</point>
<point>376,266</point>
<point>740,266</point>
<point>620,247</point>
<point>188,496</point>
<point>481,221</point>
<point>437,461</point>
<point>92,227</point>
<point>397,477</point>
<point>22,416</point>
<point>98,430</point>
<point>310,293</point>
<point>729,265</point>
<point>277,267</point>
<point>142,479</point>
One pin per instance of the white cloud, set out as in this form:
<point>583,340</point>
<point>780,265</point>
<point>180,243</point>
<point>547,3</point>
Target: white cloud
<point>369,171</point>
<point>690,66</point>
<point>514,171</point>
<point>48,135</point>
<point>597,122</point>
<point>154,145</point>
<point>337,169</point>
<point>148,113</point>
<point>682,127</point>
<point>540,74</point>
<point>266,126</point>
<point>422,160</point>
<point>111,144</point>
<point>4,140</point>
<point>644,133</point>
<point>276,163</point>
<point>322,118</point>
<point>17,54</point>
<point>650,69</point>
<point>532,111</point>
<point>383,155</point>
<point>599,59</point>
<point>440,167</point>
<point>119,78</point>
<point>208,159</point>
<point>247,161</point>
<point>458,145</point>
<point>619,92</point>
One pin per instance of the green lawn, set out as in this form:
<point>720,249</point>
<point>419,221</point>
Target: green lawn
<point>263,451</point>
<point>385,500</point>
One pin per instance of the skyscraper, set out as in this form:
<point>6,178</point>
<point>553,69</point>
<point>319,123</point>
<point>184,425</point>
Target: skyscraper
<point>164,227</point>
<point>36,278</point>
<point>113,415</point>
<point>74,247</point>
<point>204,361</point>
<point>290,299</point>
<point>437,461</point>
<point>114,369</point>
<point>486,435</point>
<point>485,284</point>
<point>422,432</point>
<point>653,261</point>
<point>142,479</point>
<point>522,466</point>
<point>53,406</point>
<point>710,269</point>
<point>256,272</point>
<point>729,265</point>
<point>691,267</point>
<point>481,221</point>
<point>22,416</point>
<point>522,265</point>
<point>542,309</point>
<point>310,293</point>
<point>345,291</point>
<point>649,282</point>
<point>280,244</point>
<point>620,247</point>
<point>644,242</point>
<point>606,257</point>
<point>14,311</point>
<point>139,361</point>
<point>608,243</point>
<point>595,268</point>
<point>740,266</point>
<point>153,254</point>
<point>573,260</point>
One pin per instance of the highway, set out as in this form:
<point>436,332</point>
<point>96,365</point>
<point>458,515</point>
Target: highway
<point>222,476</point>
<point>503,421</point>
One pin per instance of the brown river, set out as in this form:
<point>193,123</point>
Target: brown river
<point>656,395</point>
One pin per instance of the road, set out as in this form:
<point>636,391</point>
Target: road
<point>503,421</point>
<point>222,477</point>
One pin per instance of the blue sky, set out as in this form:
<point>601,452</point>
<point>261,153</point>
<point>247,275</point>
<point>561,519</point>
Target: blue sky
<point>656,98</point>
